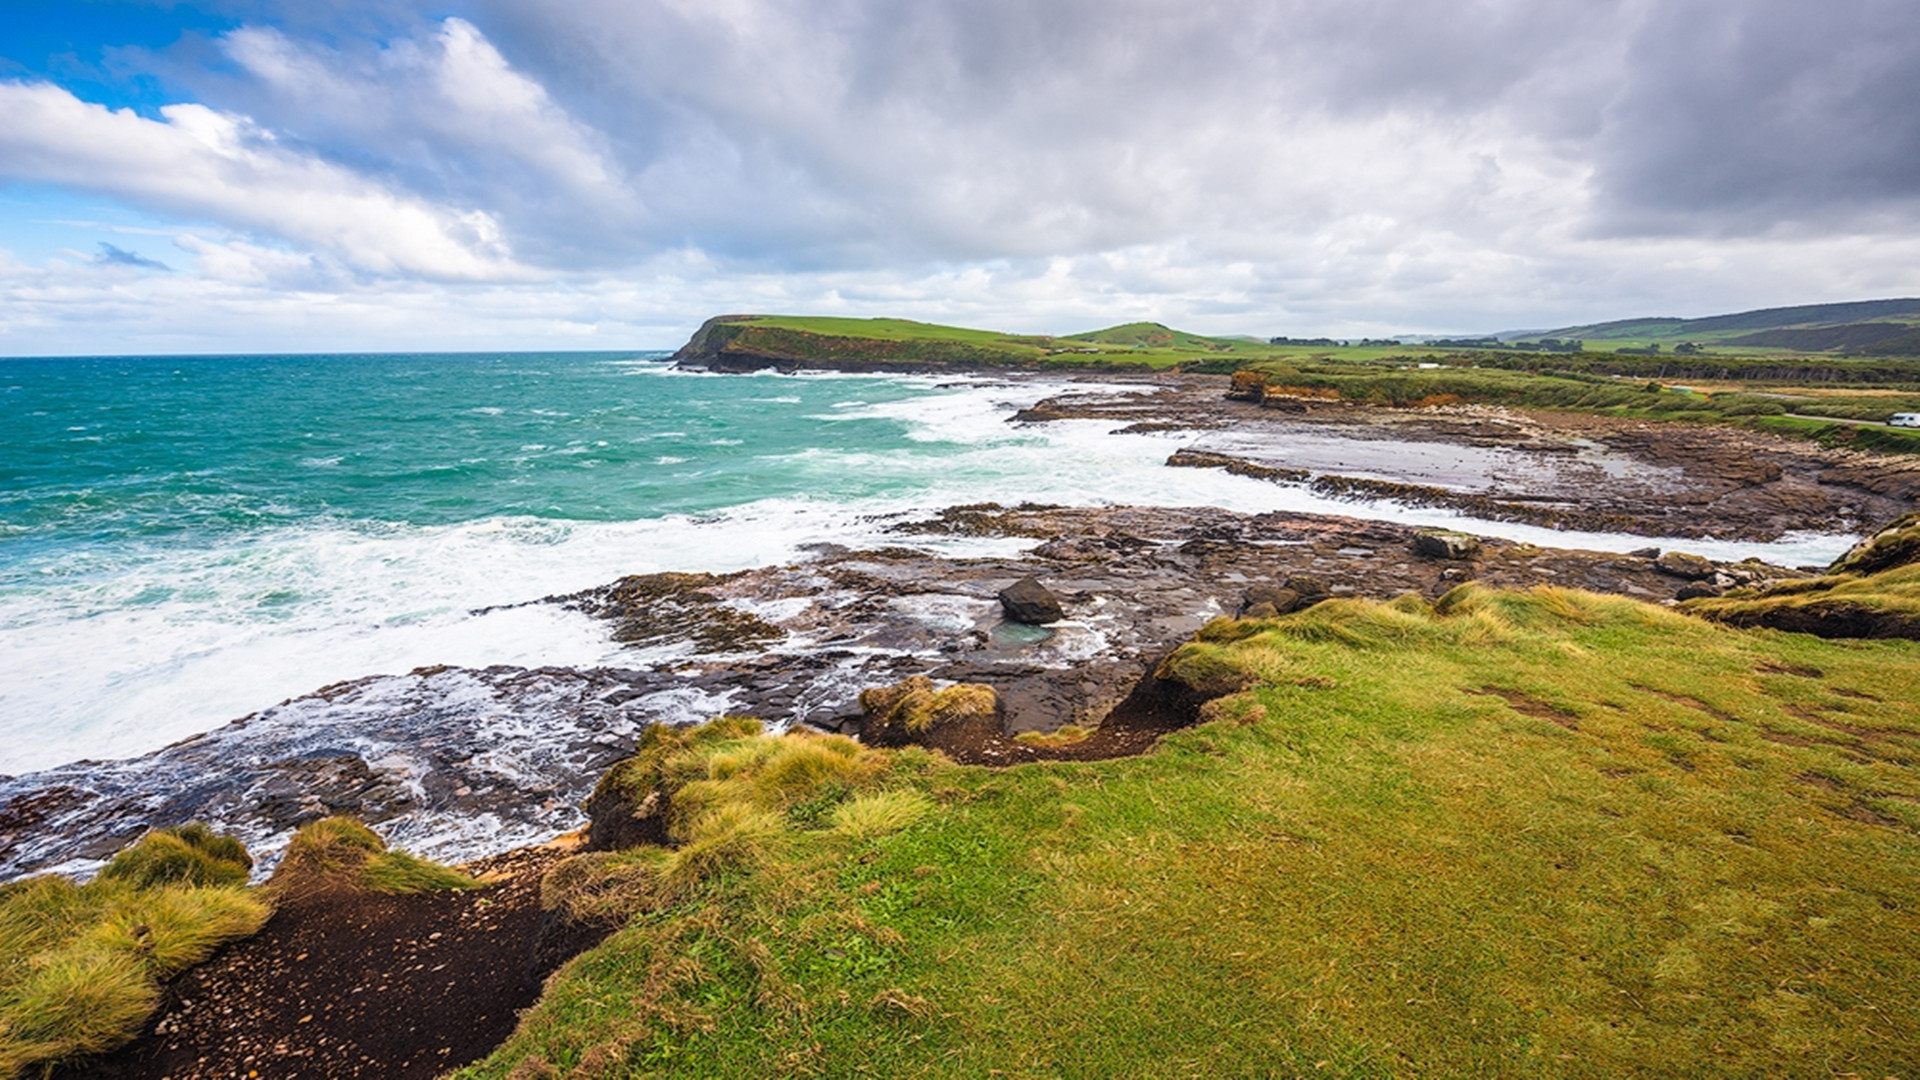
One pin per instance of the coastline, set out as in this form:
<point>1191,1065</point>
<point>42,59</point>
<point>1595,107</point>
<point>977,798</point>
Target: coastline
<point>463,762</point>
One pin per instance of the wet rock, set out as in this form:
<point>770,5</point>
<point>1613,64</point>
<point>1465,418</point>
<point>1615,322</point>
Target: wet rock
<point>1683,564</point>
<point>459,762</point>
<point>1446,544</point>
<point>1268,601</point>
<point>1028,601</point>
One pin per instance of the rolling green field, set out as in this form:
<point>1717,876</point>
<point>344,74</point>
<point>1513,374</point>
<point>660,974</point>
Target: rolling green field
<point>1572,835</point>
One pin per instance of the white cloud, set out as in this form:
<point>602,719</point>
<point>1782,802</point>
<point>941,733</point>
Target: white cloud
<point>200,163</point>
<point>1300,166</point>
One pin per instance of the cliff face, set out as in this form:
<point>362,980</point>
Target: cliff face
<point>744,343</point>
<point>707,348</point>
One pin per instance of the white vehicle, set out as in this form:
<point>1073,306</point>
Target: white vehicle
<point>1904,419</point>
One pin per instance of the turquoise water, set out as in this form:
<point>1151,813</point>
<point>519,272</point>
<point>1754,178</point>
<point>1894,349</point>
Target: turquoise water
<point>184,540</point>
<point>186,450</point>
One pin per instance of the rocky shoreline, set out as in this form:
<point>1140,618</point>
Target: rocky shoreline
<point>455,763</point>
<point>458,763</point>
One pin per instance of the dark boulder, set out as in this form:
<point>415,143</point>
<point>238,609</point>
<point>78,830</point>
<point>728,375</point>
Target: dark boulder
<point>1446,544</point>
<point>1311,590</point>
<point>1028,601</point>
<point>1268,601</point>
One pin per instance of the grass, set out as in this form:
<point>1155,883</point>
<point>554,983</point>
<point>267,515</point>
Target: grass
<point>1539,833</point>
<point>914,706</point>
<point>339,852</point>
<point>81,966</point>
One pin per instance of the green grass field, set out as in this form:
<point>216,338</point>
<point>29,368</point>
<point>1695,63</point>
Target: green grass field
<point>1511,834</point>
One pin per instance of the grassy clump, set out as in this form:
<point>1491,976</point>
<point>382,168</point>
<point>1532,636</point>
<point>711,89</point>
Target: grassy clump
<point>339,852</point>
<point>81,966</point>
<point>1539,833</point>
<point>191,854</point>
<point>914,707</point>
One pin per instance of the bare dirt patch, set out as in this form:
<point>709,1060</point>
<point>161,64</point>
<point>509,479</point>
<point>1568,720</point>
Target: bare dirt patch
<point>1533,706</point>
<point>354,984</point>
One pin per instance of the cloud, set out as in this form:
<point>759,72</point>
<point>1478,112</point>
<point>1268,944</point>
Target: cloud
<point>1761,113</point>
<point>1299,166</point>
<point>204,164</point>
<point>114,256</point>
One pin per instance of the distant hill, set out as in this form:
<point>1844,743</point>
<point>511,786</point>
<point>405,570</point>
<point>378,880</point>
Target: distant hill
<point>792,342</point>
<point>1861,325</point>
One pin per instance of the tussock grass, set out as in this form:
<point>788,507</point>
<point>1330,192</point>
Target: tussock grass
<point>189,854</point>
<point>915,707</point>
<point>81,966</point>
<point>1538,833</point>
<point>880,814</point>
<point>341,853</point>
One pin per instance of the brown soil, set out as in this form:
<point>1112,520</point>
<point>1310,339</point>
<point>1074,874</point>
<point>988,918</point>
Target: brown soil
<point>344,984</point>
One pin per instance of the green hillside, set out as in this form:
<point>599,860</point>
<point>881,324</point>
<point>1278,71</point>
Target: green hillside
<point>1885,327</point>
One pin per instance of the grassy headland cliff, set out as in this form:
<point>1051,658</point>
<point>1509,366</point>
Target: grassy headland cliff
<point>790,342</point>
<point>1833,395</point>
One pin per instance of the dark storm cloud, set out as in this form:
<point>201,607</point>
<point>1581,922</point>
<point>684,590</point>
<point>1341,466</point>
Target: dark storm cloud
<point>1744,115</point>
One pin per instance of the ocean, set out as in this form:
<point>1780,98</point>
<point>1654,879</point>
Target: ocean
<point>185,540</point>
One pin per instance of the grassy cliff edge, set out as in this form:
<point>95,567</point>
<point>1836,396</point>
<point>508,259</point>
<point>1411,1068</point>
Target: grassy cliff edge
<point>1571,835</point>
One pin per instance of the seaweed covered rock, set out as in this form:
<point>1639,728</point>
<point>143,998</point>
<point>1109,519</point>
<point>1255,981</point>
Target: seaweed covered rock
<point>1028,601</point>
<point>1297,593</point>
<point>1247,385</point>
<point>1894,546</point>
<point>914,707</point>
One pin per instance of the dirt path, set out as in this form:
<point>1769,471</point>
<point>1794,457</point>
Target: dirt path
<point>355,985</point>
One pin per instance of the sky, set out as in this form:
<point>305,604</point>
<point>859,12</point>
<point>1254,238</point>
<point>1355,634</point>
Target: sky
<point>333,175</point>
